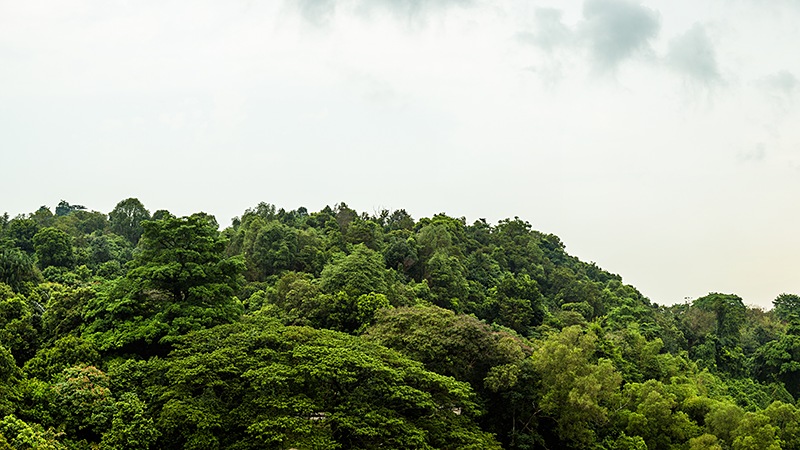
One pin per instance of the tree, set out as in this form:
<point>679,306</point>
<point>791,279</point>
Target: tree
<point>401,251</point>
<point>64,310</point>
<point>83,402</point>
<point>787,307</point>
<point>786,417</point>
<point>729,311</point>
<point>9,377</point>
<point>399,220</point>
<point>704,442</point>
<point>53,248</point>
<point>180,281</point>
<point>65,208</point>
<point>722,348</point>
<point>723,420</point>
<point>21,435</point>
<point>257,384</point>
<point>755,433</point>
<point>365,232</point>
<point>131,427</point>
<point>358,273</point>
<point>184,257</point>
<point>17,269</point>
<point>779,360</point>
<point>66,352</point>
<point>43,217</point>
<point>108,252</point>
<point>17,325</point>
<point>20,232</point>
<point>576,391</point>
<point>126,219</point>
<point>274,249</point>
<point>516,303</point>
<point>451,344</point>
<point>652,413</point>
<point>446,276</point>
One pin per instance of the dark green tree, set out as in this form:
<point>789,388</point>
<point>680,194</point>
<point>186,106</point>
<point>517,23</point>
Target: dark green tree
<point>18,331</point>
<point>446,276</point>
<point>184,258</point>
<point>274,249</point>
<point>43,217</point>
<point>729,311</point>
<point>65,208</point>
<point>447,343</point>
<point>126,219</point>
<point>787,308</point>
<point>17,269</point>
<point>9,378</point>
<point>779,360</point>
<point>515,303</point>
<point>180,281</point>
<point>257,384</point>
<point>54,248</point>
<point>20,233</point>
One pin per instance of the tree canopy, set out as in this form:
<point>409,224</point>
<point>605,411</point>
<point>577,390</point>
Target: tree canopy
<point>339,329</point>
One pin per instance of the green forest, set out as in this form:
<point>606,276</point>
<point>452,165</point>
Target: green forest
<point>338,329</point>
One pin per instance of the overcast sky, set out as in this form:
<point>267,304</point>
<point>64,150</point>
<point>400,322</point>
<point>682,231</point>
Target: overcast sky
<point>659,139</point>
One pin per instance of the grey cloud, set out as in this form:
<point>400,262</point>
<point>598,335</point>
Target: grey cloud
<point>783,82</point>
<point>756,154</point>
<point>693,54</point>
<point>319,12</point>
<point>617,29</point>
<point>549,31</point>
<point>410,8</point>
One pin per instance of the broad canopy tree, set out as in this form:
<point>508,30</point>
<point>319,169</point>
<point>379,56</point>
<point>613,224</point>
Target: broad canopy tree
<point>259,384</point>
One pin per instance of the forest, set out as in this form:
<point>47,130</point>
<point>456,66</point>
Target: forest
<point>337,329</point>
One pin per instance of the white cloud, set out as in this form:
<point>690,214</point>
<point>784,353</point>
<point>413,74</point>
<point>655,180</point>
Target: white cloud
<point>423,105</point>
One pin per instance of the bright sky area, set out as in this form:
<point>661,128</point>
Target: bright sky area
<point>659,139</point>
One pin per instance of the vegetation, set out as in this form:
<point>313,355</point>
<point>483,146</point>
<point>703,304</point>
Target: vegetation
<point>336,329</point>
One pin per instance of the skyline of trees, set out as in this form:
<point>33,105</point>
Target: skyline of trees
<point>339,329</point>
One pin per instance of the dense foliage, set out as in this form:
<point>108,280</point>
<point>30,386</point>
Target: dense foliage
<point>336,329</point>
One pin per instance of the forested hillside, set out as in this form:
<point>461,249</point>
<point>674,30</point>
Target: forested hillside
<point>338,329</point>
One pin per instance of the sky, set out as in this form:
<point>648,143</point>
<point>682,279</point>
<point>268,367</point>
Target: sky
<point>658,138</point>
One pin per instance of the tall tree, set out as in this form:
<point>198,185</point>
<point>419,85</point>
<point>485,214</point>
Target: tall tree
<point>126,219</point>
<point>17,268</point>
<point>65,208</point>
<point>787,307</point>
<point>180,281</point>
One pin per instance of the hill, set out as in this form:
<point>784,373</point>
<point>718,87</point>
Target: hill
<point>340,329</point>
